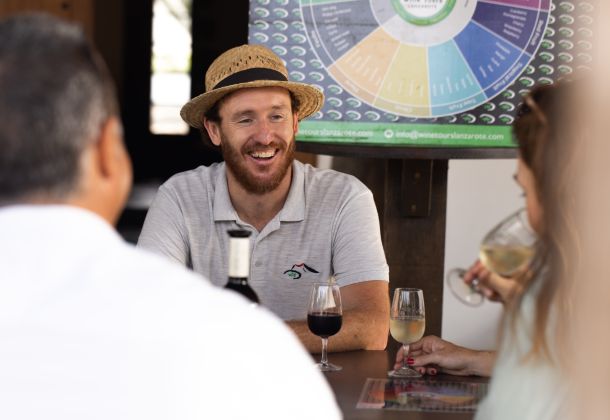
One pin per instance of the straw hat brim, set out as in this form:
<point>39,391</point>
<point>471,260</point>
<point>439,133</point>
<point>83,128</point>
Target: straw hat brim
<point>310,99</point>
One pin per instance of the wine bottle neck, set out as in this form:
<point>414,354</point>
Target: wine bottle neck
<point>239,257</point>
<point>238,280</point>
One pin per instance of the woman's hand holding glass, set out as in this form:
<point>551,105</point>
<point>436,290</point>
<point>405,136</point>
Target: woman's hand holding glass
<point>432,355</point>
<point>506,251</point>
<point>489,284</point>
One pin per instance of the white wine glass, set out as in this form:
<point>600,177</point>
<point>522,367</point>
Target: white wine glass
<point>407,325</point>
<point>506,250</point>
<point>324,317</point>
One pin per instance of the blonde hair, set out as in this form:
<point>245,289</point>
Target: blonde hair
<point>545,131</point>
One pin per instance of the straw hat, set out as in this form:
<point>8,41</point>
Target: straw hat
<point>248,66</point>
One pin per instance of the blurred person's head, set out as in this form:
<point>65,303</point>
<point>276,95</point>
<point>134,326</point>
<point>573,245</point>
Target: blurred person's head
<point>60,135</point>
<point>545,131</point>
<point>590,338</point>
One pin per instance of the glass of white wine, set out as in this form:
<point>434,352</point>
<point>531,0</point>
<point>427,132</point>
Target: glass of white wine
<point>407,325</point>
<point>506,250</point>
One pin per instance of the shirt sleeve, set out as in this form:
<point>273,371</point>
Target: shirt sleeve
<point>357,249</point>
<point>164,231</point>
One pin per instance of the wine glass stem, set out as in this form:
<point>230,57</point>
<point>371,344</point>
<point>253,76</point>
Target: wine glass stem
<point>405,356</point>
<point>324,360</point>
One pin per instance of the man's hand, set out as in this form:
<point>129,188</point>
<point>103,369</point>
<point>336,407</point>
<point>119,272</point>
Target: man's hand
<point>432,355</point>
<point>491,285</point>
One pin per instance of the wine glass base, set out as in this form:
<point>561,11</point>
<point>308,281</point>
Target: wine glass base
<point>404,373</point>
<point>328,367</point>
<point>466,293</point>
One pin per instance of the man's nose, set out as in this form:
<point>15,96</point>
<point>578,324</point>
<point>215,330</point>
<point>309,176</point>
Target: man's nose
<point>264,134</point>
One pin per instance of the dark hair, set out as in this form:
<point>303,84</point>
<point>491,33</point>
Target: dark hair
<point>213,114</point>
<point>546,133</point>
<point>55,95</point>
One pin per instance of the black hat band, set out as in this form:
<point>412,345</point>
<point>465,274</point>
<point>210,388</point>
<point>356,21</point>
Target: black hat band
<point>251,75</point>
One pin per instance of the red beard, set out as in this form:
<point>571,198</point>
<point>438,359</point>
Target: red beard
<point>253,183</point>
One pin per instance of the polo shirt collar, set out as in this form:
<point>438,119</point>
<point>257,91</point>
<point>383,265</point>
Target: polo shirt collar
<point>223,208</point>
<point>294,207</point>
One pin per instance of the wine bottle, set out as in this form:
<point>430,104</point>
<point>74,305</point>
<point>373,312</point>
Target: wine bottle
<point>239,264</point>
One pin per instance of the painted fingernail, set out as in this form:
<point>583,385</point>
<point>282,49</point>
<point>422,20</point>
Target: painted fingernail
<point>410,361</point>
<point>432,371</point>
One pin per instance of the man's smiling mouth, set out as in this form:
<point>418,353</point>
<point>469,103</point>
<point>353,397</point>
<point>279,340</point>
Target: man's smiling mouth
<point>265,154</point>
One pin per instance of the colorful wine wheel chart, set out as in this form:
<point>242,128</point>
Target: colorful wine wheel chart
<point>425,58</point>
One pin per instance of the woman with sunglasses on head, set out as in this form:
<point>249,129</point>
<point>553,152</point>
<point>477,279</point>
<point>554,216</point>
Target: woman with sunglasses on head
<point>528,380</point>
<point>527,370</point>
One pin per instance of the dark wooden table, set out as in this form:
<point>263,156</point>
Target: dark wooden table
<point>360,365</point>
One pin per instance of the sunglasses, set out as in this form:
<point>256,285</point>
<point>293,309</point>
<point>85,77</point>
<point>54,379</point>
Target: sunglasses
<point>530,105</point>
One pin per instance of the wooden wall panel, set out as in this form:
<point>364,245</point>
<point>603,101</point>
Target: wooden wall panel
<point>414,246</point>
<point>307,158</point>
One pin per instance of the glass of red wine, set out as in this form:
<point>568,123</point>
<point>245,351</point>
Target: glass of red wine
<point>324,317</point>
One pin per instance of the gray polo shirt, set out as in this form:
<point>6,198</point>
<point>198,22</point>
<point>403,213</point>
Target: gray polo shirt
<point>328,226</point>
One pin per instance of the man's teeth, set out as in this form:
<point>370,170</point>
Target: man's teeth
<point>268,154</point>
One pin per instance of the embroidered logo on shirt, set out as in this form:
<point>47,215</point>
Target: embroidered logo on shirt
<point>298,270</point>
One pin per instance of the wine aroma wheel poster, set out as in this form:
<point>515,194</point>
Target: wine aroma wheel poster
<point>422,72</point>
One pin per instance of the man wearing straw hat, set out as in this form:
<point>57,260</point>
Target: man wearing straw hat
<point>307,224</point>
<point>90,327</point>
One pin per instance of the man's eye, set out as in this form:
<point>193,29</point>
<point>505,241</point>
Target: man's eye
<point>277,117</point>
<point>244,121</point>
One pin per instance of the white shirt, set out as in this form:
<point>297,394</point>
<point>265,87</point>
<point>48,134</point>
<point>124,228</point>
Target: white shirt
<point>520,388</point>
<point>92,328</point>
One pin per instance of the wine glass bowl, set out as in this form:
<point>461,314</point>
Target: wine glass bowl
<point>324,324</point>
<point>506,250</point>
<point>407,325</point>
<point>509,247</point>
<point>324,318</point>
